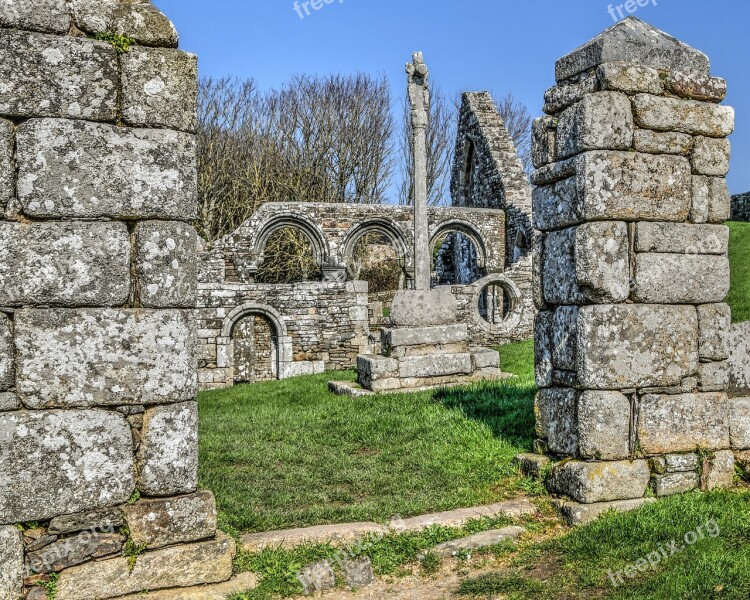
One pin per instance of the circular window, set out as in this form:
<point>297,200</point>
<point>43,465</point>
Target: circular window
<point>497,304</point>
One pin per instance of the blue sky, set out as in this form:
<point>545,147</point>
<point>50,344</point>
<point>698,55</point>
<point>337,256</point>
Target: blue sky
<point>468,44</point>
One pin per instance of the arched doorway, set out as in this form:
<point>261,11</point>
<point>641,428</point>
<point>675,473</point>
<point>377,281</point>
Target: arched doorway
<point>458,255</point>
<point>256,349</point>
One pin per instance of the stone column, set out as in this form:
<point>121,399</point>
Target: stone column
<point>419,99</point>
<point>632,271</point>
<point>98,411</point>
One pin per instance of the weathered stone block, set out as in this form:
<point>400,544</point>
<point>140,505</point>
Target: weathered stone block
<point>175,567</point>
<point>7,164</point>
<point>36,15</point>
<point>658,142</point>
<point>317,577</point>
<point>662,345</point>
<point>714,323</point>
<point>9,401</point>
<point>419,336</point>
<point>705,89</point>
<point>11,559</point>
<point>611,185</point>
<point>374,366</point>
<point>107,519</point>
<point>358,572</point>
<point>714,376</point>
<point>543,141</point>
<point>63,461</point>
<point>86,170</point>
<point>435,365</point>
<point>683,422</point>
<point>679,463</point>
<point>711,156</point>
<point>160,88</point>
<point>74,551</point>
<point>7,358</point>
<point>680,278</point>
<point>636,42</point>
<point>602,262</point>
<point>590,482</point>
<point>68,264</point>
<point>564,339</point>
<point>559,270</point>
<point>739,358</point>
<point>576,513</point>
<point>711,200</point>
<point>485,358</point>
<point>681,238</point>
<point>604,425</point>
<point>106,357</point>
<point>135,18</point>
<point>424,308</point>
<point>556,419</point>
<point>159,523</point>
<point>599,121</point>
<point>718,471</point>
<point>166,263</point>
<point>168,454</point>
<point>543,348</point>
<point>52,76</point>
<point>676,483</point>
<point>684,116</point>
<point>629,78</point>
<point>560,97</point>
<point>739,423</point>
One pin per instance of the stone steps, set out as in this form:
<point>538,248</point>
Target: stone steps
<point>350,532</point>
<point>244,582</point>
<point>485,539</point>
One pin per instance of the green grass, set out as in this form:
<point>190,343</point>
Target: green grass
<point>290,454</point>
<point>578,564</point>
<point>739,260</point>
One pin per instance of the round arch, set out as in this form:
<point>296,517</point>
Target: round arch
<point>465,228</point>
<point>251,308</point>
<point>314,234</point>
<point>383,227</point>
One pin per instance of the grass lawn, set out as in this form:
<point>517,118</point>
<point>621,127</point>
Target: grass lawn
<point>289,453</point>
<point>739,259</point>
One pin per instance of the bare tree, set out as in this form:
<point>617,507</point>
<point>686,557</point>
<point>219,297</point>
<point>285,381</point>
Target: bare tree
<point>518,123</point>
<point>441,135</point>
<point>313,140</point>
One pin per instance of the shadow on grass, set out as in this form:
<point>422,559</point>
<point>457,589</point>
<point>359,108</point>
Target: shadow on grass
<point>506,407</point>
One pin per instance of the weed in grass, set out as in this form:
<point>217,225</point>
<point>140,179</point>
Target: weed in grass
<point>514,587</point>
<point>430,562</point>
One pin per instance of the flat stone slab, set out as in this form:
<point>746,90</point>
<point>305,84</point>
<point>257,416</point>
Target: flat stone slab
<point>244,582</point>
<point>458,518</point>
<point>580,514</point>
<point>484,539</point>
<point>319,534</point>
<point>176,566</point>
<point>355,390</point>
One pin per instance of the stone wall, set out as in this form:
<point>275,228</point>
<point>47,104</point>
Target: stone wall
<point>632,333</point>
<point>329,323</point>
<point>488,173</point>
<point>97,278</point>
<point>741,208</point>
<point>319,325</point>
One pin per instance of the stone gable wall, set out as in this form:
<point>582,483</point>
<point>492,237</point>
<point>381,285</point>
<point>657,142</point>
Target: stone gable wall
<point>98,280</point>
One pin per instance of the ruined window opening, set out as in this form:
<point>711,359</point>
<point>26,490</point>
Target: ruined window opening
<point>288,257</point>
<point>455,259</point>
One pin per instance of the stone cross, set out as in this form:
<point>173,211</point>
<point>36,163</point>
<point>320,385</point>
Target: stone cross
<point>419,99</point>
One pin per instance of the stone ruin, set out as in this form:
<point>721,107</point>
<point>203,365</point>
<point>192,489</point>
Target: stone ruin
<point>98,373</point>
<point>249,331</point>
<point>98,411</point>
<point>632,271</point>
<point>741,208</point>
